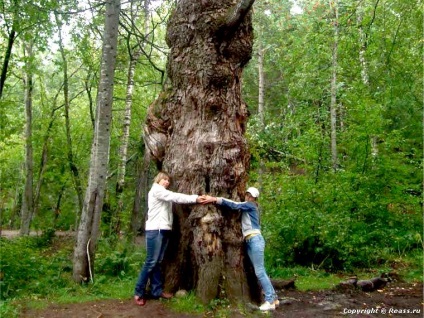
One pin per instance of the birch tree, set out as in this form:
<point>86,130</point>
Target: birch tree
<point>89,226</point>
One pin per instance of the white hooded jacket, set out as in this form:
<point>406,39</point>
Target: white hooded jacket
<point>159,215</point>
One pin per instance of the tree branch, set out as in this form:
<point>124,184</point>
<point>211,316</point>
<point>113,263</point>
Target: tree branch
<point>238,13</point>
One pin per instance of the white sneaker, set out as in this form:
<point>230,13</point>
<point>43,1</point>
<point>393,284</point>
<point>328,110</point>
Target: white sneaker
<point>267,306</point>
<point>276,303</point>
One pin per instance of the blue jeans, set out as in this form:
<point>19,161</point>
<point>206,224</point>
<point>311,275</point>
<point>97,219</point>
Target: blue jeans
<point>255,250</point>
<point>156,243</point>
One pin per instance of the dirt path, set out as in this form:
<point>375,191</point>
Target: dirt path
<point>395,300</point>
<point>15,233</point>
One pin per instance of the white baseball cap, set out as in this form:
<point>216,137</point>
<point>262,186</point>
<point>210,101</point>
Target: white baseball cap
<point>253,191</point>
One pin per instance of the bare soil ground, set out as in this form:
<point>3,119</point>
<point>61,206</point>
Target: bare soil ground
<point>395,300</point>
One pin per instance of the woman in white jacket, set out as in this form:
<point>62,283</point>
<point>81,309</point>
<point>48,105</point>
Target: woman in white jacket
<point>158,229</point>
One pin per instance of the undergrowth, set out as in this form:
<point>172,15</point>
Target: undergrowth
<point>36,271</point>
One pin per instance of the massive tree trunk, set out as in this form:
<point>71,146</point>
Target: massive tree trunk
<point>196,128</point>
<point>89,226</point>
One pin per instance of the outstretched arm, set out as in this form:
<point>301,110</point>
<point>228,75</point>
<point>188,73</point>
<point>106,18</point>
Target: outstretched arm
<point>243,206</point>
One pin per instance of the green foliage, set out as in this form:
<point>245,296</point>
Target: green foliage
<point>368,212</point>
<point>115,258</point>
<point>44,266</point>
<point>341,222</point>
<point>32,272</point>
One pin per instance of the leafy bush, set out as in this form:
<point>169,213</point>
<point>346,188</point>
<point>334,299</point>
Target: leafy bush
<point>118,259</point>
<point>344,221</point>
<point>25,268</point>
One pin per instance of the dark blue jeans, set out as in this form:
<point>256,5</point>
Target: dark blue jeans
<point>156,243</point>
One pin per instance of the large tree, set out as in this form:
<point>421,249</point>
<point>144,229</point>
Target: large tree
<point>195,131</point>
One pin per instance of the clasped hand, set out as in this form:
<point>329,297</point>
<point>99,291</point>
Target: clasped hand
<point>205,199</point>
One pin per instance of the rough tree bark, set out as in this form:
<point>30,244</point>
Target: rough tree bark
<point>196,128</point>
<point>89,226</point>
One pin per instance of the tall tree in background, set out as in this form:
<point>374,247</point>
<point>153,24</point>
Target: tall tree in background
<point>89,226</point>
<point>333,103</point>
<point>196,128</point>
<point>27,209</point>
<point>142,166</point>
<point>70,152</point>
<point>135,51</point>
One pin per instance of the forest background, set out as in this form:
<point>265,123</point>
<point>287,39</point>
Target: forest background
<point>334,91</point>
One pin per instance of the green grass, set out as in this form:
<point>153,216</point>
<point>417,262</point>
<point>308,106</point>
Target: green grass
<point>42,276</point>
<point>409,267</point>
<point>187,304</point>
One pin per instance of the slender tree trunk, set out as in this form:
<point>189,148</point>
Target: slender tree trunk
<point>89,226</point>
<point>88,87</point>
<point>123,150</point>
<point>364,66</point>
<point>43,167</point>
<point>261,91</point>
<point>363,46</point>
<point>72,166</point>
<point>17,202</point>
<point>57,207</point>
<point>27,209</point>
<point>140,198</point>
<point>333,104</point>
<point>196,127</point>
<point>44,156</point>
<point>6,60</point>
<point>261,101</point>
